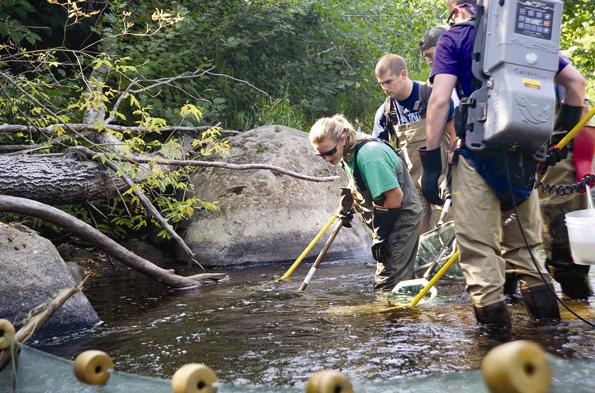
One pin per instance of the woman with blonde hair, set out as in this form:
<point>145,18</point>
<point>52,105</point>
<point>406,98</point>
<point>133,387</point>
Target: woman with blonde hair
<point>384,194</point>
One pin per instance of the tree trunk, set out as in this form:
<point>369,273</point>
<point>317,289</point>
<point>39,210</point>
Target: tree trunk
<point>56,180</point>
<point>61,179</point>
<point>82,229</point>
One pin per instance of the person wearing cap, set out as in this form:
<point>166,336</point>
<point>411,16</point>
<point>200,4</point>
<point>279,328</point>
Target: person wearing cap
<point>428,42</point>
<point>384,194</point>
<point>573,278</point>
<point>427,45</point>
<point>489,243</point>
<point>400,120</point>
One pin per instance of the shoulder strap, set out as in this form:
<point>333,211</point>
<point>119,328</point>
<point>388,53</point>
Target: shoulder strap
<point>387,105</point>
<point>357,176</point>
<point>477,51</point>
<point>424,96</point>
<point>389,128</point>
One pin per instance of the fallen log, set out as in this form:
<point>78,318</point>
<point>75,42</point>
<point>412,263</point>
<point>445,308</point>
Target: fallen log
<point>168,277</point>
<point>57,179</point>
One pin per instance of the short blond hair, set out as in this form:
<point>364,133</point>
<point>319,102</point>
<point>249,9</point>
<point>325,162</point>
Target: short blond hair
<point>390,63</point>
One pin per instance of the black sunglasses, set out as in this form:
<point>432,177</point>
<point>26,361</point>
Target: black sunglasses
<point>329,152</point>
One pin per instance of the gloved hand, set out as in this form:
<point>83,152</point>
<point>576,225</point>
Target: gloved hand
<point>346,210</point>
<point>566,120</point>
<point>431,162</point>
<point>555,155</point>
<point>568,117</point>
<point>382,222</point>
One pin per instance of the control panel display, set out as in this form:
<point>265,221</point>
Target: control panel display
<point>534,19</point>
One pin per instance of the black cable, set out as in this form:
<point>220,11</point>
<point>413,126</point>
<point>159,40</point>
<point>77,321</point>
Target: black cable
<point>522,230</point>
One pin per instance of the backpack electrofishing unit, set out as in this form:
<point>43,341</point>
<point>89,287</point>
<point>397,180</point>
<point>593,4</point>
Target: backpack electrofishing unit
<point>515,60</point>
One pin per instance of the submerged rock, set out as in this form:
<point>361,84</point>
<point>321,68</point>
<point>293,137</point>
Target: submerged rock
<point>268,216</point>
<point>32,272</point>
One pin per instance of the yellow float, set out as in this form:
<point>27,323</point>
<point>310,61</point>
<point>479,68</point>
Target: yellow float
<point>328,381</point>
<point>194,378</point>
<point>93,367</point>
<point>6,334</point>
<point>517,367</point>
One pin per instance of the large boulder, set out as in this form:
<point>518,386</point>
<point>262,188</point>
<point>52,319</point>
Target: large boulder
<point>32,272</point>
<point>268,216</point>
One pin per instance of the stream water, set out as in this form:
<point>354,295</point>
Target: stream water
<point>252,331</point>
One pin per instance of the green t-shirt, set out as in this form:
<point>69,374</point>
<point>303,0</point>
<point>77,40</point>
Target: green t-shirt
<point>377,164</point>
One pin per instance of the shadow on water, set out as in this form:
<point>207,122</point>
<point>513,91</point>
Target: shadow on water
<point>253,331</point>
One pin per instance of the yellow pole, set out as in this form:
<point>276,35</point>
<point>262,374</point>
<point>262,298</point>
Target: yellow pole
<point>307,249</point>
<point>434,279</point>
<point>576,129</point>
<point>429,285</point>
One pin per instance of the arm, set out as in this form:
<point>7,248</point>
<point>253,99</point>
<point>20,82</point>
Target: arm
<point>392,199</point>
<point>574,85</point>
<point>437,111</point>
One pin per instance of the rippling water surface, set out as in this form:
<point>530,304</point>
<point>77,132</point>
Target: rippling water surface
<point>252,331</point>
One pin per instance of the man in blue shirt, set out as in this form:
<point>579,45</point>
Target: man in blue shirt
<point>401,121</point>
<point>489,244</point>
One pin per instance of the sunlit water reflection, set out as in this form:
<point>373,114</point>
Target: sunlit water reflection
<point>252,331</point>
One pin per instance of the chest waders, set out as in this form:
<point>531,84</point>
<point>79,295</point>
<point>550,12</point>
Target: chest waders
<point>408,138</point>
<point>395,230</point>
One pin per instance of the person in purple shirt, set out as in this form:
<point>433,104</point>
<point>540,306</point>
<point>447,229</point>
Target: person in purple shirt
<point>488,237</point>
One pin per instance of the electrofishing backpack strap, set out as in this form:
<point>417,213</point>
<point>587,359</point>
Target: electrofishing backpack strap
<point>357,176</point>
<point>461,111</point>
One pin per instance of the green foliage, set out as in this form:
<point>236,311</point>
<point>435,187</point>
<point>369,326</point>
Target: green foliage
<point>286,62</point>
<point>237,64</point>
<point>13,13</point>
<point>578,38</point>
<point>44,88</point>
<point>279,111</point>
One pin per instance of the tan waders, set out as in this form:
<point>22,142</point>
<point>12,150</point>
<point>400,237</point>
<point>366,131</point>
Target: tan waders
<point>491,245</point>
<point>411,136</point>
<point>573,278</point>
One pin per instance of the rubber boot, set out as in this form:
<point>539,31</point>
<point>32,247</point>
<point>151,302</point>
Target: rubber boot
<point>512,289</point>
<point>541,304</point>
<point>573,278</point>
<point>494,319</point>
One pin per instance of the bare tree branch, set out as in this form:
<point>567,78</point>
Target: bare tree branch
<point>241,167</point>
<point>144,200</point>
<point>168,80</point>
<point>19,148</point>
<point>86,231</point>
<point>39,315</point>
<point>240,80</point>
<point>117,105</point>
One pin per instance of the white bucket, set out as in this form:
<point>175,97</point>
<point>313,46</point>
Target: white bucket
<point>581,234</point>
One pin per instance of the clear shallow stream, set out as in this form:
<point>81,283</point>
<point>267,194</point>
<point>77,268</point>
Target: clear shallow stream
<point>252,331</point>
